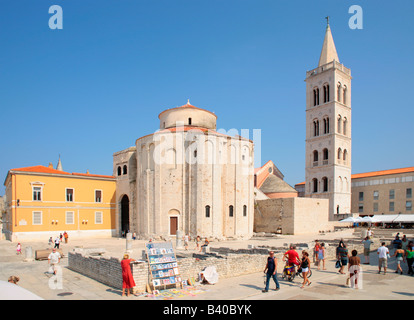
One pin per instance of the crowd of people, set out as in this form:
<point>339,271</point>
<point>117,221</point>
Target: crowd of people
<point>403,253</point>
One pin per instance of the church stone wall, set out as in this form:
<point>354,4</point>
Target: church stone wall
<point>296,216</point>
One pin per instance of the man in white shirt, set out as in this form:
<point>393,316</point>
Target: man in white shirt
<point>57,242</point>
<point>54,259</point>
<point>383,254</point>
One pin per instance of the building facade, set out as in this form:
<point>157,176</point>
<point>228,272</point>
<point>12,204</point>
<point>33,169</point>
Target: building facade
<point>383,192</point>
<point>328,131</point>
<point>187,176</point>
<point>43,202</point>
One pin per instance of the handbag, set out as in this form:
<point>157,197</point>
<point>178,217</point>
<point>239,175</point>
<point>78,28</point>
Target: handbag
<point>338,264</point>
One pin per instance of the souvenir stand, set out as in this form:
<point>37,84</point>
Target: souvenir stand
<point>163,265</point>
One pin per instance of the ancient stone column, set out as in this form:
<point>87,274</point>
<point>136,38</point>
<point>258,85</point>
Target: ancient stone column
<point>179,240</point>
<point>128,242</point>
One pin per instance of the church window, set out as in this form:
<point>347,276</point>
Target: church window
<point>189,121</point>
<point>207,211</point>
<point>125,170</point>
<point>231,211</point>
<point>325,184</point>
<point>244,211</point>
<point>195,153</point>
<point>119,171</point>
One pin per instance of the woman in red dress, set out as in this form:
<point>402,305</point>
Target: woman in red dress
<point>127,278</point>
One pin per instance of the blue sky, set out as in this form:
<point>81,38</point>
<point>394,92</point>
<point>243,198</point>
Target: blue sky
<point>94,87</point>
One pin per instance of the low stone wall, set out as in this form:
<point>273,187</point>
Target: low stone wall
<point>108,269</point>
<point>101,268</point>
<point>228,262</point>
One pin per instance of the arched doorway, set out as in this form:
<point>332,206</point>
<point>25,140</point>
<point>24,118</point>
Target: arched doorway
<point>124,215</point>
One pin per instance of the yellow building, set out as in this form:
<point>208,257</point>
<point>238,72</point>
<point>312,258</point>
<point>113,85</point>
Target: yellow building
<point>43,202</point>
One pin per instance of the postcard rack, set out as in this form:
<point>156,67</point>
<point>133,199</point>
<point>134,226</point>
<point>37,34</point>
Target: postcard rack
<point>163,265</point>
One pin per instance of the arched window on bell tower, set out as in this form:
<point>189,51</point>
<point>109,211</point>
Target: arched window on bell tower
<point>339,123</point>
<point>339,155</point>
<point>326,93</point>
<point>316,128</point>
<point>315,158</point>
<point>326,125</point>
<point>314,185</point>
<point>316,97</point>
<point>344,100</point>
<point>345,156</point>
<point>325,156</point>
<point>345,124</point>
<point>325,184</point>
<point>339,92</point>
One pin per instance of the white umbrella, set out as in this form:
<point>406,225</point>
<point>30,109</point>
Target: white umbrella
<point>369,219</point>
<point>350,219</point>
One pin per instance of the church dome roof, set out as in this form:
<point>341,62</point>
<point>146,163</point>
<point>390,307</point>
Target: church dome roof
<point>187,115</point>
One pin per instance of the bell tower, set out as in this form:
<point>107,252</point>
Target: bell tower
<point>328,130</point>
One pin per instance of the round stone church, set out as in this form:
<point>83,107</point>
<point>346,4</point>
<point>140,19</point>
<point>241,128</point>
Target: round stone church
<point>186,176</point>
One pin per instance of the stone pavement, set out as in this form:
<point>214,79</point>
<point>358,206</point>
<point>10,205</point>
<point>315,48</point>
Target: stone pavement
<point>326,285</point>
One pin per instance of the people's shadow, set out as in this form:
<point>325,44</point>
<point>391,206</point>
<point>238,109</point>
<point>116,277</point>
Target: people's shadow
<point>252,286</point>
<point>115,291</point>
<point>404,293</point>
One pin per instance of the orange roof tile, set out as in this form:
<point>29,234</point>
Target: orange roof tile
<point>382,173</point>
<point>92,175</point>
<point>43,169</point>
<point>376,173</point>
<point>40,169</point>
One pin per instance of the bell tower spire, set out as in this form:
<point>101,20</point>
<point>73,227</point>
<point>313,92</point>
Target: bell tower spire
<point>59,165</point>
<point>328,53</point>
